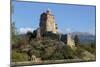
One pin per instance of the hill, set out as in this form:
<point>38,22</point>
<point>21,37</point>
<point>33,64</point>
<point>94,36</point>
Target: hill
<point>48,48</point>
<point>85,38</point>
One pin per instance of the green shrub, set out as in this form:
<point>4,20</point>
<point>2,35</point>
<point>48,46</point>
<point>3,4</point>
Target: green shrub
<point>69,53</point>
<point>18,57</point>
<point>89,47</point>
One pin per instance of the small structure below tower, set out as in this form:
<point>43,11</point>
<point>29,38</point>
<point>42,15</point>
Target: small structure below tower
<point>68,40</point>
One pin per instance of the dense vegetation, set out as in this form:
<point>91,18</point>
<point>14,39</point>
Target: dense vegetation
<point>48,47</point>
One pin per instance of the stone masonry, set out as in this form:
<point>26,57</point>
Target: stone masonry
<point>47,23</point>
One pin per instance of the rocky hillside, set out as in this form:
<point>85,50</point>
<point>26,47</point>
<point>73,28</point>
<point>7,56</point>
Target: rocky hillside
<point>48,48</point>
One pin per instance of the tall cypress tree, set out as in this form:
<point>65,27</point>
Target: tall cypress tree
<point>77,40</point>
<point>14,37</point>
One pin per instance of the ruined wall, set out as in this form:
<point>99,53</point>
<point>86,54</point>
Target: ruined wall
<point>67,39</point>
<point>70,41</point>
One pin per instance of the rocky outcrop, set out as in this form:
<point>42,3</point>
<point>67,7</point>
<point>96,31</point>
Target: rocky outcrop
<point>35,59</point>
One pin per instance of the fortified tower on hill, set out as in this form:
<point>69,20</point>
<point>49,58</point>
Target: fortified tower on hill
<point>47,23</point>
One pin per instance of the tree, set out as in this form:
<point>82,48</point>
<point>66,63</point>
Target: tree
<point>77,40</point>
<point>14,37</point>
<point>13,29</point>
<point>30,35</point>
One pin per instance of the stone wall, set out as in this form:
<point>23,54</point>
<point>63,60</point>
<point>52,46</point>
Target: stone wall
<point>70,41</point>
<point>47,23</point>
<point>67,39</point>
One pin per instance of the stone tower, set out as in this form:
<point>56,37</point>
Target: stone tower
<point>70,41</point>
<point>47,23</point>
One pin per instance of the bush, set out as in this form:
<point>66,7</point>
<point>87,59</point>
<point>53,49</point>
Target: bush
<point>58,54</point>
<point>51,35</point>
<point>69,53</point>
<point>22,43</point>
<point>18,57</point>
<point>89,47</point>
